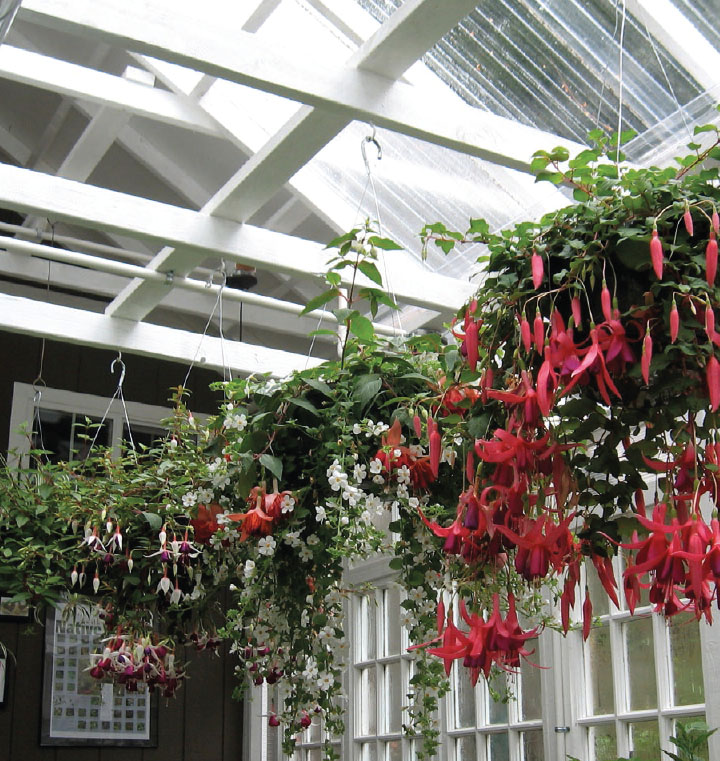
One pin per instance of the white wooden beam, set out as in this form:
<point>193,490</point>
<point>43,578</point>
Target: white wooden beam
<point>200,235</point>
<point>392,49</point>
<point>118,93</point>
<point>61,323</point>
<point>194,304</point>
<point>351,91</point>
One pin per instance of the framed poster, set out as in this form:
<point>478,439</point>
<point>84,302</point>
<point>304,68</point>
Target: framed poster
<point>78,709</point>
<point>13,611</point>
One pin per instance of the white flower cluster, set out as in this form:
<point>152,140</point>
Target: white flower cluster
<point>234,419</point>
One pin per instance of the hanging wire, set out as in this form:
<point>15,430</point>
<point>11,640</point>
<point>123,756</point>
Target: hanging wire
<point>370,182</point>
<point>117,362</point>
<point>621,84</point>
<point>667,80</point>
<point>603,73</point>
<point>218,302</point>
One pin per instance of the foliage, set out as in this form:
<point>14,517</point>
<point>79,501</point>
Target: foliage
<point>691,741</point>
<point>486,470</point>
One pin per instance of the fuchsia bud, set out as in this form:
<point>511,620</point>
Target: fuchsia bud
<point>712,373</point>
<point>576,310</point>
<point>656,254</point>
<point>417,425</point>
<point>538,269</point>
<point>606,302</point>
<point>471,344</point>
<point>539,332</point>
<point>674,323</point>
<point>646,357</point>
<point>709,321</point>
<point>711,259</point>
<point>525,334</point>
<point>715,221</point>
<point>687,218</point>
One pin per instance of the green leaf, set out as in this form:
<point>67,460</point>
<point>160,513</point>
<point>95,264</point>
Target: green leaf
<point>154,520</point>
<point>704,128</point>
<point>320,386</point>
<point>384,243</point>
<point>371,271</point>
<point>367,388</point>
<point>21,520</point>
<point>319,301</point>
<point>362,328</point>
<point>580,195</point>
<point>273,464</point>
<point>300,401</point>
<point>346,238</point>
<point>396,564</point>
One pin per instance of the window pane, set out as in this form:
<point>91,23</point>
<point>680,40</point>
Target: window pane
<point>604,742</point>
<point>598,596</point>
<point>392,621</point>
<point>499,748</point>
<point>367,701</point>
<point>686,661</point>
<point>368,752</point>
<point>597,649</point>
<point>465,749</point>
<point>497,710</point>
<point>641,663</point>
<point>645,741</point>
<point>367,610</point>
<point>314,755</point>
<point>532,743</point>
<point>464,694</point>
<point>531,705</point>
<point>391,751</point>
<point>395,697</point>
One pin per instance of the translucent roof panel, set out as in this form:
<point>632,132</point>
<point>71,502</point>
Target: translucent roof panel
<point>554,64</point>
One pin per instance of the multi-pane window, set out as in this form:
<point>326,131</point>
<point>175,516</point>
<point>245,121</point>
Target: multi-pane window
<point>640,675</point>
<point>483,723</point>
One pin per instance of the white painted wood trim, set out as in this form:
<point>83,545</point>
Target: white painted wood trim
<point>60,323</point>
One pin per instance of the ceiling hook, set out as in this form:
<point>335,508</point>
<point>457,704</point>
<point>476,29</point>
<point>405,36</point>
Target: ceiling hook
<point>118,361</point>
<point>370,139</point>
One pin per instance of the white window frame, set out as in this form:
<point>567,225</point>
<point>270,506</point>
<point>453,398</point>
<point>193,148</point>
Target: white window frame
<point>24,407</point>
<point>574,667</point>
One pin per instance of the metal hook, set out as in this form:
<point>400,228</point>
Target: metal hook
<point>38,393</point>
<point>370,139</point>
<point>118,361</point>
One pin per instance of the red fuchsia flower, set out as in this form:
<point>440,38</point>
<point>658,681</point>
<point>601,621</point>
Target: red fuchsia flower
<point>606,302</point>
<point>469,336</point>
<point>615,343</point>
<point>454,534</point>
<point>522,453</point>
<point>393,455</point>
<point>539,332</point>
<point>646,357</point>
<point>455,400</point>
<point>435,446</point>
<point>523,395</point>
<point>576,310</point>
<point>594,362</point>
<point>205,524</point>
<point>604,568</point>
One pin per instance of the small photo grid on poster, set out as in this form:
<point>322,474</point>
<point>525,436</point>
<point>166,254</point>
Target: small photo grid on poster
<point>83,707</point>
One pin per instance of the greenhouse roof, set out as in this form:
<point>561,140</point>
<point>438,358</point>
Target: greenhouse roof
<point>144,144</point>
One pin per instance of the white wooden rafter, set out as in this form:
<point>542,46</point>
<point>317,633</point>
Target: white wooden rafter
<point>202,235</point>
<point>354,92</point>
<point>87,84</point>
<point>61,323</point>
<point>395,46</point>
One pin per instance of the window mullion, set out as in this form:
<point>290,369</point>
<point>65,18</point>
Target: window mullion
<point>620,681</point>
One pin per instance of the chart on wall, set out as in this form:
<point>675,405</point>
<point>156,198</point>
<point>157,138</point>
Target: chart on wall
<point>78,709</point>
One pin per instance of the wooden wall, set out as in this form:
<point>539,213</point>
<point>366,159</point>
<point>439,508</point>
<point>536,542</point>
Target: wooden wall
<point>202,723</point>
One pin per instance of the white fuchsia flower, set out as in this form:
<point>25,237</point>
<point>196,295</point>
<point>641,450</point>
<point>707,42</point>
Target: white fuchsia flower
<point>360,473</point>
<point>287,505</point>
<point>305,554</point>
<point>357,429</point>
<point>189,499</point>
<point>266,545</point>
<point>325,634</point>
<point>325,681</point>
<point>376,466</point>
<point>249,569</point>
<point>403,474</point>
<point>313,539</point>
<point>416,594</point>
<point>448,455</point>
<point>320,514</point>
